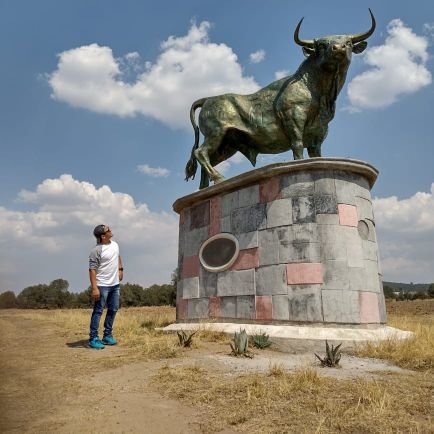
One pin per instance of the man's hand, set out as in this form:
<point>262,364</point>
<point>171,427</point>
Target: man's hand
<point>95,294</point>
<point>121,275</point>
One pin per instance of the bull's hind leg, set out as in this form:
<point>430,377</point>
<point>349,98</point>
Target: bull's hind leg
<point>314,151</point>
<point>202,154</point>
<point>204,179</point>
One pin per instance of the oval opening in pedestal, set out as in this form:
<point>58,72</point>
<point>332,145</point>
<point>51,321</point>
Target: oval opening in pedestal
<point>219,252</point>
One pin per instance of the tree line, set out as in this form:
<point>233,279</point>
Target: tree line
<point>400,294</point>
<point>55,295</point>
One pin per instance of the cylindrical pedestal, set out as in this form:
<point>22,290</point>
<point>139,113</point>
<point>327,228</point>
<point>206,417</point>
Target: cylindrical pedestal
<point>290,242</point>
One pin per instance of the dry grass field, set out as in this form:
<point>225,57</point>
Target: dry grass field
<point>52,383</point>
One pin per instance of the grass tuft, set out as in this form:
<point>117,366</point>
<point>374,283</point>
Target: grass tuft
<point>414,353</point>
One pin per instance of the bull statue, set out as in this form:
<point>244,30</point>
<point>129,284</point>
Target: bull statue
<point>290,113</point>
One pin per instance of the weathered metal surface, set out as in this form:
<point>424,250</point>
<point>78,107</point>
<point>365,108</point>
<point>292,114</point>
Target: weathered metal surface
<point>292,113</point>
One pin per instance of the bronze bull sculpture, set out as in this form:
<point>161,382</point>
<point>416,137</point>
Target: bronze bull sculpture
<point>290,113</point>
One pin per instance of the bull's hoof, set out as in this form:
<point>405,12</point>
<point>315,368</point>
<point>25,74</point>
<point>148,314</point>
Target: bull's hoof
<point>217,179</point>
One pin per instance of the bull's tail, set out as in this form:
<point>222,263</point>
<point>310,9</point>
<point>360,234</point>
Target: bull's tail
<point>191,167</point>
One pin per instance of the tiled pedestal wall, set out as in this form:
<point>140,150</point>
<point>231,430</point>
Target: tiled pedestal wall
<point>308,252</point>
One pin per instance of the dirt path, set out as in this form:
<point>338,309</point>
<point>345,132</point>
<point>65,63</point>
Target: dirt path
<point>51,382</point>
<point>52,385</point>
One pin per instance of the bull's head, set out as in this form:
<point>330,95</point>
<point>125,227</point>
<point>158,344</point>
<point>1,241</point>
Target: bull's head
<point>335,48</point>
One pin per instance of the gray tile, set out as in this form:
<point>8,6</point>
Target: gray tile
<point>324,182</point>
<point>303,209</point>
<point>327,219</point>
<point>249,219</point>
<point>336,275</point>
<point>333,242</point>
<point>280,307</point>
<point>299,252</point>
<point>325,204</point>
<point>370,250</point>
<point>207,283</point>
<point>364,208</point>
<point>198,308</point>
<point>248,240</point>
<point>231,283</point>
<point>340,306</point>
<point>190,287</point>
<point>268,251</point>
<point>279,213</point>
<point>372,281</point>
<point>229,203</point>
<point>382,307</point>
<point>225,224</point>
<point>296,184</point>
<point>193,241</point>
<point>246,307</point>
<point>248,196</point>
<point>271,280</point>
<point>199,215</point>
<point>305,306</point>
<point>228,307</point>
<point>354,247</point>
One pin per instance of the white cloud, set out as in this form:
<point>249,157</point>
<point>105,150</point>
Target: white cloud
<point>257,57</point>
<point>189,67</point>
<point>396,68</point>
<point>54,239</point>
<point>237,158</point>
<point>406,237</point>
<point>428,28</point>
<point>281,73</point>
<point>155,172</point>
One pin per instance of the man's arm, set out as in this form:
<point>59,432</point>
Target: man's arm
<point>121,269</point>
<point>95,291</point>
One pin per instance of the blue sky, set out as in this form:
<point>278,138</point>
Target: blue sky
<point>94,124</point>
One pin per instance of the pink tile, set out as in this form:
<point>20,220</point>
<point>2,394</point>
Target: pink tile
<point>190,266</point>
<point>247,258</point>
<point>214,218</point>
<point>269,190</point>
<point>264,307</point>
<point>181,309</point>
<point>347,215</point>
<point>214,307</point>
<point>304,273</point>
<point>369,310</point>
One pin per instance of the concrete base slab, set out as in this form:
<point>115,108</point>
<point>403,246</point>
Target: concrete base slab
<point>294,338</point>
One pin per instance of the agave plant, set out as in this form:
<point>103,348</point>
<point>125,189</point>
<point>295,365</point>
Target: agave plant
<point>332,357</point>
<point>261,341</point>
<point>185,340</point>
<point>240,346</point>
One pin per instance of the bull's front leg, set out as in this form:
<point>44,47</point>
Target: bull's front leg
<point>294,121</point>
<point>297,149</point>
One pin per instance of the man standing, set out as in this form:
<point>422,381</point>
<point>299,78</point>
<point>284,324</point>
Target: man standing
<point>105,273</point>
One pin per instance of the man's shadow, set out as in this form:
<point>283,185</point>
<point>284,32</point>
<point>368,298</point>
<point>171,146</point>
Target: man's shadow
<point>84,343</point>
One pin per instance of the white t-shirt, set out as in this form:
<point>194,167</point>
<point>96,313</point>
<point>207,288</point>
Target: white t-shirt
<point>104,258</point>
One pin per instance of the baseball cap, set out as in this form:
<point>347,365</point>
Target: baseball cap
<point>100,230</point>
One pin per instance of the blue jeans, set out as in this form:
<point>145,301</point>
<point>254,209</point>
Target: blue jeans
<point>109,296</point>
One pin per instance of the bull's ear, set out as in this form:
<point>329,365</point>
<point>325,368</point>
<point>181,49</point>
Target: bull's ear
<point>360,47</point>
<point>308,51</point>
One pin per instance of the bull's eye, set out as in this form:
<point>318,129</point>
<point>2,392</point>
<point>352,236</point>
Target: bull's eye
<point>219,252</point>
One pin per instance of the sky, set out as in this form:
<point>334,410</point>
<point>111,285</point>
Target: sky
<point>94,125</point>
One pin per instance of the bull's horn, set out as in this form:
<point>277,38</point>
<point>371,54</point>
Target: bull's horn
<point>362,36</point>
<point>304,43</point>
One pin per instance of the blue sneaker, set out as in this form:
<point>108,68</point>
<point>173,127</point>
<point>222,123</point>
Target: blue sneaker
<point>96,344</point>
<point>109,340</point>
